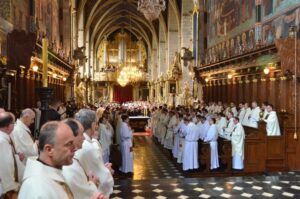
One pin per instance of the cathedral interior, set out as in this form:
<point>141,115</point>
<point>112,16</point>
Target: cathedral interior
<point>167,53</point>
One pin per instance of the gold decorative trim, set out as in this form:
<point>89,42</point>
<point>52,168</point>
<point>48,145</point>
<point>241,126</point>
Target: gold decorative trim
<point>240,82</point>
<point>263,80</point>
<point>254,80</point>
<point>283,78</point>
<point>272,79</point>
<point>247,81</point>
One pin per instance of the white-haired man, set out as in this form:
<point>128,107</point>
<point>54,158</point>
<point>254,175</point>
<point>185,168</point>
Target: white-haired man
<point>22,136</point>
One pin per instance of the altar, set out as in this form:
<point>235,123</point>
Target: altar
<point>138,123</point>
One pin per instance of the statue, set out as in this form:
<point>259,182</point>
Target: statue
<point>186,94</point>
<point>80,92</point>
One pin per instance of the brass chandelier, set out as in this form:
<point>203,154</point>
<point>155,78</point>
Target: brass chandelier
<point>151,8</point>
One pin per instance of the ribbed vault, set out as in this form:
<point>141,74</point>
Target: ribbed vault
<point>98,19</point>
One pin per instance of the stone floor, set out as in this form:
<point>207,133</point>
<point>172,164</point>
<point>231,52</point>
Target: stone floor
<point>155,176</point>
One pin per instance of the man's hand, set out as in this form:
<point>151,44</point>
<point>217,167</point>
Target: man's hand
<point>94,179</point>
<point>98,195</point>
<point>21,156</point>
<point>109,166</point>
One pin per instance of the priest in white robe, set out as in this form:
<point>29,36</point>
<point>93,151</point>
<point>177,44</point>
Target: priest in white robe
<point>89,156</point>
<point>230,125</point>
<point>43,177</point>
<point>233,109</point>
<point>190,151</point>
<point>180,122</point>
<point>182,131</point>
<point>242,112</point>
<point>254,116</point>
<point>168,143</point>
<point>165,122</point>
<point>264,109</point>
<point>105,138</point>
<point>10,165</point>
<point>22,137</point>
<point>245,121</point>
<point>126,146</point>
<point>118,128</point>
<point>82,185</point>
<point>212,138</point>
<point>221,123</point>
<point>271,119</point>
<point>238,145</point>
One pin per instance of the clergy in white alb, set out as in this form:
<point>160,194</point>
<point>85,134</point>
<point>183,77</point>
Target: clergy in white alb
<point>212,138</point>
<point>242,112</point>
<point>165,122</point>
<point>22,137</point>
<point>89,156</point>
<point>190,151</point>
<point>230,125</point>
<point>238,144</point>
<point>176,132</point>
<point>221,123</point>
<point>182,130</point>
<point>105,138</point>
<point>254,116</point>
<point>168,143</point>
<point>245,121</point>
<point>11,168</point>
<point>271,119</point>
<point>82,185</point>
<point>126,146</point>
<point>43,177</point>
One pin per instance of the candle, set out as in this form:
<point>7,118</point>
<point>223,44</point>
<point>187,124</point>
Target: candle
<point>45,62</point>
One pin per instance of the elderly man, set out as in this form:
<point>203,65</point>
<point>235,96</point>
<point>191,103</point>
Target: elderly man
<point>22,137</point>
<point>43,177</point>
<point>10,164</point>
<point>82,185</point>
<point>89,156</point>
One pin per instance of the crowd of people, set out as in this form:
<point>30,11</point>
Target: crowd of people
<point>70,157</point>
<point>179,129</point>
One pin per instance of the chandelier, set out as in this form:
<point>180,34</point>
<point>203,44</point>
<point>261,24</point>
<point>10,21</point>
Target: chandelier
<point>130,74</point>
<point>151,8</point>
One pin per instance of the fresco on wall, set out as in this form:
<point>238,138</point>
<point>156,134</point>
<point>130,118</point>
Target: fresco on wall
<point>229,17</point>
<point>273,7</point>
<point>279,27</point>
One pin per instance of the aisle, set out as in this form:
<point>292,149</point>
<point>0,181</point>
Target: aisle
<point>150,162</point>
<point>156,177</point>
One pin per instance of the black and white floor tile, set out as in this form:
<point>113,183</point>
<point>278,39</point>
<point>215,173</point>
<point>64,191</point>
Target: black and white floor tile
<point>156,177</point>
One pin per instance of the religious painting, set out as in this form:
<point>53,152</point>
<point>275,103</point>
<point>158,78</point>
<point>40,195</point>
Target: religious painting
<point>228,17</point>
<point>278,28</point>
<point>273,7</point>
<point>268,7</point>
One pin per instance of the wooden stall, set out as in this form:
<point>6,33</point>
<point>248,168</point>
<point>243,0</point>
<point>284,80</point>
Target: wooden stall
<point>266,73</point>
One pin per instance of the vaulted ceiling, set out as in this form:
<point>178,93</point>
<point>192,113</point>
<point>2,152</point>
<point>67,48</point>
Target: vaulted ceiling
<point>104,17</point>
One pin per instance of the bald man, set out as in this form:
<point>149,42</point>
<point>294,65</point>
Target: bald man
<point>43,177</point>
<point>22,136</point>
<point>11,168</point>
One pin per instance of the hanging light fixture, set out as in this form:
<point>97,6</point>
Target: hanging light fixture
<point>151,8</point>
<point>130,73</point>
